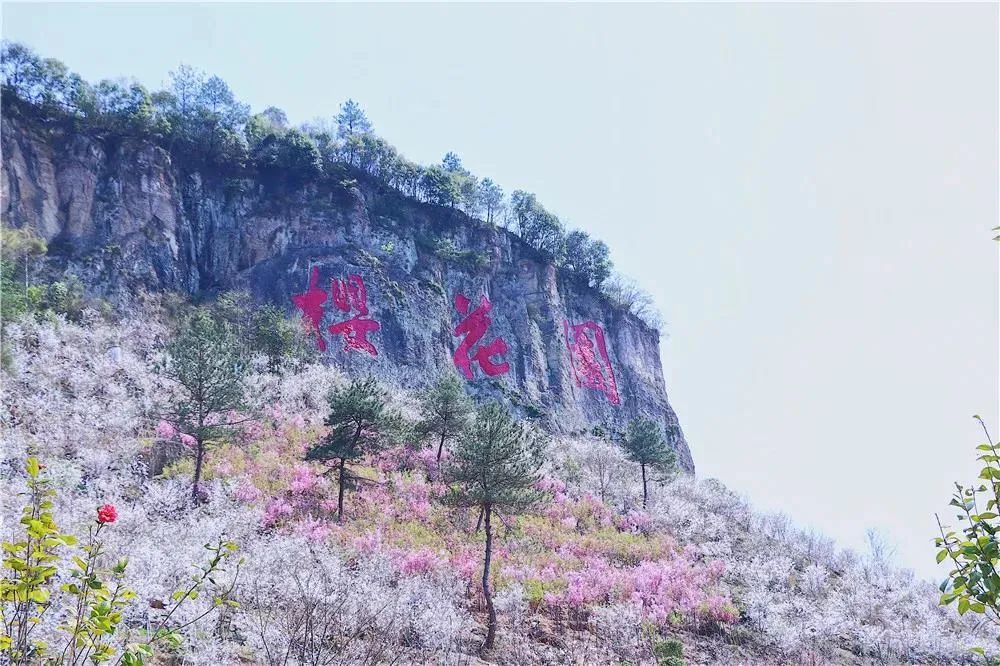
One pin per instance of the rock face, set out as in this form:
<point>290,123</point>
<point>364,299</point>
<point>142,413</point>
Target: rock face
<point>388,285</point>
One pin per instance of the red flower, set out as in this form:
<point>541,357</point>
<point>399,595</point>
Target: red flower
<point>107,514</point>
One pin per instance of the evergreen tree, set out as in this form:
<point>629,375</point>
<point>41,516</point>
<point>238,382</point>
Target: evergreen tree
<point>644,444</point>
<point>358,419</point>
<point>445,411</point>
<point>490,198</point>
<point>207,366</point>
<point>352,123</point>
<point>495,469</point>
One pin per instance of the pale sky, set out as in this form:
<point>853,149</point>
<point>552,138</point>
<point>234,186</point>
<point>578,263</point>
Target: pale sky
<point>806,190</point>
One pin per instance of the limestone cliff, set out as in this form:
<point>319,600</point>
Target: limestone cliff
<point>391,286</point>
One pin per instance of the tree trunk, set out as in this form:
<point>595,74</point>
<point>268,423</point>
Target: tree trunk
<point>198,460</point>
<point>440,449</point>
<point>645,494</point>
<point>479,521</point>
<point>340,492</point>
<point>491,630</point>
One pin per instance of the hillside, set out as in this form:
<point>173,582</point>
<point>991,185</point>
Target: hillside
<point>590,578</point>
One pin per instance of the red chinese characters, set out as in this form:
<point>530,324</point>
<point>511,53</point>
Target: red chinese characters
<point>588,352</point>
<point>350,295</point>
<point>474,327</point>
<point>347,295</point>
<point>311,305</point>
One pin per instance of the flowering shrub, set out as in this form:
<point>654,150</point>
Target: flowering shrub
<point>95,599</point>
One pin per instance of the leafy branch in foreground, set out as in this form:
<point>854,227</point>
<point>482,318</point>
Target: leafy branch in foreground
<point>973,550</point>
<point>96,597</point>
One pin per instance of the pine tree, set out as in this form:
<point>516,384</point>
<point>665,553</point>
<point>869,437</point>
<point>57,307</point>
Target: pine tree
<point>358,419</point>
<point>445,411</point>
<point>495,469</point>
<point>644,444</point>
<point>207,366</point>
<point>352,123</point>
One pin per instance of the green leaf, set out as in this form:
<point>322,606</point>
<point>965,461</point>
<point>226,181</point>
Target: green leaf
<point>941,555</point>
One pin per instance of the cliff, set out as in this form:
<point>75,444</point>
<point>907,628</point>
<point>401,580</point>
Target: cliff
<point>388,285</point>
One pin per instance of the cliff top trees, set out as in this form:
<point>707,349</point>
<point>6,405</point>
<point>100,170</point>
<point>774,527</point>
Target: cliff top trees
<point>199,116</point>
<point>490,198</point>
<point>445,410</point>
<point>205,363</point>
<point>644,444</point>
<point>357,419</point>
<point>587,260</point>
<point>495,469</point>
<point>538,227</point>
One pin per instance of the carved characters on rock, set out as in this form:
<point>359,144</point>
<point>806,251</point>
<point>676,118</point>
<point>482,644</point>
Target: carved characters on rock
<point>585,342</point>
<point>473,327</point>
<point>588,352</point>
<point>310,303</point>
<point>348,296</point>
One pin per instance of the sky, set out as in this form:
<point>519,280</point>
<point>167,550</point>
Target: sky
<point>806,190</point>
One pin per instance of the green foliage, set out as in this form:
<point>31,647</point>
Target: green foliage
<point>207,366</point>
<point>496,462</point>
<point>668,652</point>
<point>538,227</point>
<point>490,199</point>
<point>444,249</point>
<point>96,596</point>
<point>644,444</point>
<point>262,329</point>
<point>495,469</point>
<point>65,297</point>
<point>357,414</point>
<point>290,155</point>
<point>440,186</point>
<point>18,249</point>
<point>586,260</point>
<point>974,582</point>
<point>358,422</point>
<point>445,411</point>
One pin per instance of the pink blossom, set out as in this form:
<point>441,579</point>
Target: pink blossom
<point>188,441</point>
<point>247,492</point>
<point>367,544</point>
<point>466,564</point>
<point>303,479</point>
<point>313,530</point>
<point>638,522</point>
<point>418,562</point>
<point>278,510</point>
<point>165,430</point>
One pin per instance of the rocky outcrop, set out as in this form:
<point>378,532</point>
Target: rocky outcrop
<point>410,289</point>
